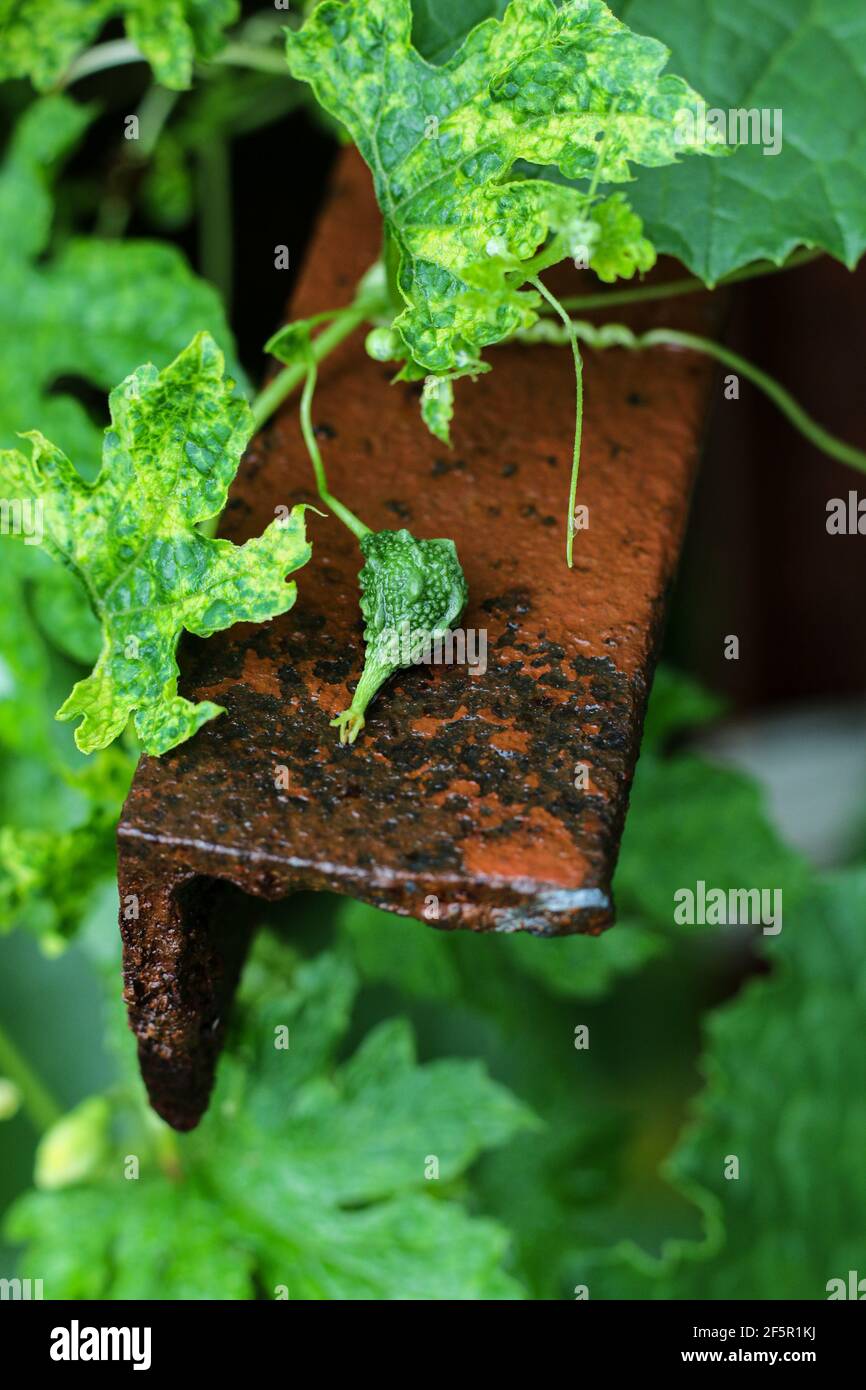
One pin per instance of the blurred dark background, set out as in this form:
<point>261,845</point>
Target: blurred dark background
<point>758,560</point>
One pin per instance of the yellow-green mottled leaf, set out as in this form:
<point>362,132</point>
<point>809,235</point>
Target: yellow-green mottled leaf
<point>291,344</point>
<point>568,87</point>
<point>170,453</point>
<point>620,247</point>
<point>437,406</point>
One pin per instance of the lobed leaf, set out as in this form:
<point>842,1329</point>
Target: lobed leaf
<point>172,449</point>
<point>805,61</point>
<point>306,1176</point>
<point>566,86</point>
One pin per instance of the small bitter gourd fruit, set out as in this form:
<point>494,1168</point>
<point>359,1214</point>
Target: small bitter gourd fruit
<point>411,593</point>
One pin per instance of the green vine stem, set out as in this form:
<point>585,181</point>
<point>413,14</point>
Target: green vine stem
<point>116,53</point>
<point>570,330</point>
<point>344,322</point>
<point>690,284</point>
<point>247,55</point>
<point>156,106</point>
<point>38,1103</point>
<point>355,525</point>
<point>154,110</point>
<point>367,305</point>
<point>620,335</point>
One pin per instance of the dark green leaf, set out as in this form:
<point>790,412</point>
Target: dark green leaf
<point>805,61</point>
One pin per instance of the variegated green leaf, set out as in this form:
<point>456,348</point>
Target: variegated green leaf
<point>171,451</point>
<point>437,406</point>
<point>568,86</point>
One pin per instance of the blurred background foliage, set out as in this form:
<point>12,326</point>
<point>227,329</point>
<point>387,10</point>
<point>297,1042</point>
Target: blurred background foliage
<point>558,1167</point>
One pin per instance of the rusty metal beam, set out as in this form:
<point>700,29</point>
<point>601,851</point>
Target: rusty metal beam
<point>461,787</point>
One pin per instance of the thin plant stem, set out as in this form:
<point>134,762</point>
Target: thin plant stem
<point>782,399</point>
<point>247,55</point>
<point>578,413</point>
<point>39,1104</point>
<point>609,335</point>
<point>156,106</point>
<point>154,110</point>
<point>115,53</point>
<point>689,285</point>
<point>355,525</point>
<point>550,255</point>
<point>120,52</point>
<point>286,381</point>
